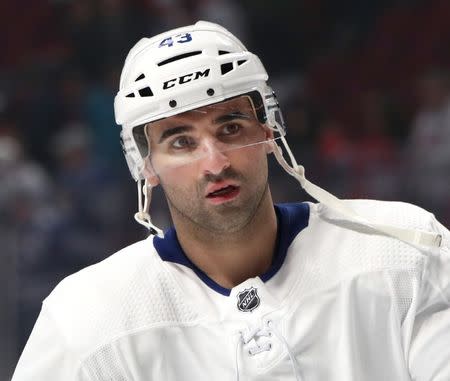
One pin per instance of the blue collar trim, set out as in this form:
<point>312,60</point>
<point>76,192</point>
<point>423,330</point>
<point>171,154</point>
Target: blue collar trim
<point>292,218</point>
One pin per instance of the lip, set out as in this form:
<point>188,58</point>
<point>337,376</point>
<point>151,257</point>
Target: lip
<point>216,200</point>
<point>214,187</point>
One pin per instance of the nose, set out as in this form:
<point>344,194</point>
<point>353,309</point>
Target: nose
<point>215,160</point>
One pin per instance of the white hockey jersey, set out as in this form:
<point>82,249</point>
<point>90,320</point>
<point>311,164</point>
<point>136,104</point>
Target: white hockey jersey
<point>340,303</point>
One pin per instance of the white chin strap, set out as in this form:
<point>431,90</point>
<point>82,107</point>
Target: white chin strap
<point>143,216</point>
<point>411,236</point>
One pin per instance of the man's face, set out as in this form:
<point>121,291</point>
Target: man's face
<point>212,164</point>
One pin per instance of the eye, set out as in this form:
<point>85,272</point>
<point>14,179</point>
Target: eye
<point>183,142</point>
<point>231,129</point>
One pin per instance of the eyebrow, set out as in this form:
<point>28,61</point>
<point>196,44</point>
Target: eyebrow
<point>231,116</point>
<point>174,131</point>
<point>185,128</point>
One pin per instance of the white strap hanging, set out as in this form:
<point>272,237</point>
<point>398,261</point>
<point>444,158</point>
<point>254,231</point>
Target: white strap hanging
<point>412,236</point>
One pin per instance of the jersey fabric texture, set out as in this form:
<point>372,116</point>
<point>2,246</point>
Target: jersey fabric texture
<point>340,302</point>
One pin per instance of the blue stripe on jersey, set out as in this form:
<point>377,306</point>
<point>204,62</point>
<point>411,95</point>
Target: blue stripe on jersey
<point>292,218</point>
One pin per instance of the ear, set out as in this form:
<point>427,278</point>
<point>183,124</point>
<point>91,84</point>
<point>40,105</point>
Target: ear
<point>153,180</point>
<point>270,142</point>
<point>270,147</point>
<point>150,174</point>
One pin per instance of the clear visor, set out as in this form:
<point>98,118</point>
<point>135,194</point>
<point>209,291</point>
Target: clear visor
<point>209,132</point>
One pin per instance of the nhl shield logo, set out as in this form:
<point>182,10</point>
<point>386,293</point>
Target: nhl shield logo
<point>248,300</point>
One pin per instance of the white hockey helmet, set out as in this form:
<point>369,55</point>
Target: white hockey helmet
<point>181,70</point>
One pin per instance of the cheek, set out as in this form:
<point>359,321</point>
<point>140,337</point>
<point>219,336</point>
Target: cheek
<point>250,159</point>
<point>168,170</point>
<point>178,178</point>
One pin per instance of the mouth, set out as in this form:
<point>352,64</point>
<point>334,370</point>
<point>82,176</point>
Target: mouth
<point>223,194</point>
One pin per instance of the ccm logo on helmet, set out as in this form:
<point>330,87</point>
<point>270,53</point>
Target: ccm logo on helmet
<point>185,79</point>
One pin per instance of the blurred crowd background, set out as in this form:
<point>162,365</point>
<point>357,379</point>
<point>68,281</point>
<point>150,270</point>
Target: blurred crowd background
<point>364,87</point>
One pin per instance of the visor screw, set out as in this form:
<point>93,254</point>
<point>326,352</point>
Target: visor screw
<point>210,92</point>
<point>173,103</point>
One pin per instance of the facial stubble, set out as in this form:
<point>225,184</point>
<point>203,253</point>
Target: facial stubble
<point>192,208</point>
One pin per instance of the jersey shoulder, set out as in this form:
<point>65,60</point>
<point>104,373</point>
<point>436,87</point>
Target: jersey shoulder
<point>127,292</point>
<point>335,252</point>
<point>347,248</point>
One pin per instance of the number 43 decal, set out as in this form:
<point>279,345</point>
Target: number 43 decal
<point>178,39</point>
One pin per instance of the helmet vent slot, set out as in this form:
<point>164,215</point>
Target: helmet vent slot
<point>142,76</point>
<point>179,57</point>
<point>240,62</point>
<point>226,67</point>
<point>146,92</point>
<point>131,95</point>
<point>222,52</point>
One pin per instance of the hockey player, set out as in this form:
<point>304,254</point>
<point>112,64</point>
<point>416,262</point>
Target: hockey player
<point>239,288</point>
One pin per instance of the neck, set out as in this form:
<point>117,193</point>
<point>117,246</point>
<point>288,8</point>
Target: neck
<point>231,258</point>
